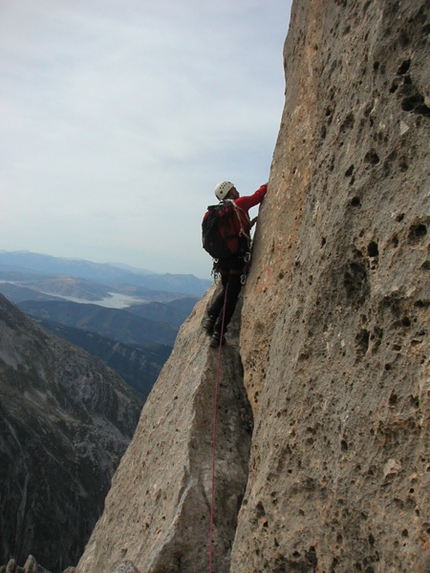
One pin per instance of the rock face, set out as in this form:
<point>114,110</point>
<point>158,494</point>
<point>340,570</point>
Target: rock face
<point>157,513</point>
<point>335,335</point>
<point>65,421</point>
<point>334,338</point>
<point>30,566</point>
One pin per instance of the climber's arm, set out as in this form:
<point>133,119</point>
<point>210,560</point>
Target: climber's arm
<point>249,201</point>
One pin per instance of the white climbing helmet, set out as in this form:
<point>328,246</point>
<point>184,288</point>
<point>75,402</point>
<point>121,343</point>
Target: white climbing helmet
<point>222,189</point>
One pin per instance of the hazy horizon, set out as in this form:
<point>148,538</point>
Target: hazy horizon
<point>119,118</point>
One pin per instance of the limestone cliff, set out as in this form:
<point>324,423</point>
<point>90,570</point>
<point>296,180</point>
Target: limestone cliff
<point>334,337</point>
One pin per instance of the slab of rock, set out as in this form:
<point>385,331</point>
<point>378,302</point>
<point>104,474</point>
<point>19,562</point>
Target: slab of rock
<point>30,566</point>
<point>157,514</point>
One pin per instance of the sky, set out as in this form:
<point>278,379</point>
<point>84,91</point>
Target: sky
<point>119,117</point>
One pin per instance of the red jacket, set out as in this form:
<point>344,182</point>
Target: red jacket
<point>245,204</point>
<point>236,230</point>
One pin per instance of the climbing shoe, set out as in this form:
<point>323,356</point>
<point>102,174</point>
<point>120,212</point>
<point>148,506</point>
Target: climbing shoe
<point>215,340</point>
<point>209,323</point>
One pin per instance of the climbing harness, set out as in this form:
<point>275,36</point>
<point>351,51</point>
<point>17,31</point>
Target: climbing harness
<point>215,269</point>
<point>217,384</point>
<point>215,272</point>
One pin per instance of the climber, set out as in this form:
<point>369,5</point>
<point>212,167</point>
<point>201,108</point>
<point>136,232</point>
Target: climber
<point>232,267</point>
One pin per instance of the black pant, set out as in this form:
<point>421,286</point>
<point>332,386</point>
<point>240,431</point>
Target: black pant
<point>231,282</point>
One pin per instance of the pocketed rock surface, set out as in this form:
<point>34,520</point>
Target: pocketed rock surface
<point>335,335</point>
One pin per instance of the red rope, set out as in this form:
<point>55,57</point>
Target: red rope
<point>211,523</point>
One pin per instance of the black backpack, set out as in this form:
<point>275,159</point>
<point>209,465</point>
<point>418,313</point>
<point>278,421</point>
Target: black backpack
<point>219,235</point>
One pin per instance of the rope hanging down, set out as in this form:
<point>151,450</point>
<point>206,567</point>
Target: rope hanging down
<point>212,514</point>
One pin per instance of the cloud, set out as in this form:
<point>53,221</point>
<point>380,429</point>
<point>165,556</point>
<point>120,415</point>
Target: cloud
<point>121,116</point>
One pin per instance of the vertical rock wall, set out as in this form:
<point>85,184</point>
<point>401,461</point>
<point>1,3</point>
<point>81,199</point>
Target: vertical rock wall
<point>336,316</point>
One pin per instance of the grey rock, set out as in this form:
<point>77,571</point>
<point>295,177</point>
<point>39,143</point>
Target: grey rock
<point>65,421</point>
<point>157,514</point>
<point>125,567</point>
<point>31,565</point>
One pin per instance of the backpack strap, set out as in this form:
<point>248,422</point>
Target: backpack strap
<point>238,211</point>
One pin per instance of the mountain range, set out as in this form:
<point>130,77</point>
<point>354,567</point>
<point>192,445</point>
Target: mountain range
<point>65,421</point>
<point>69,406</point>
<point>118,324</point>
<point>116,276</point>
<point>137,365</point>
<point>129,326</point>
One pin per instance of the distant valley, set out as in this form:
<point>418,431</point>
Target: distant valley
<point>139,366</point>
<point>75,411</point>
<point>127,317</point>
<point>119,324</point>
<point>42,271</point>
